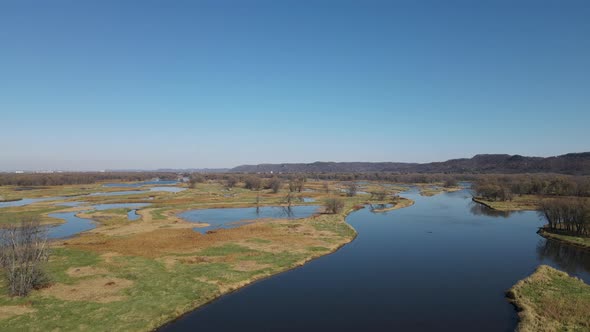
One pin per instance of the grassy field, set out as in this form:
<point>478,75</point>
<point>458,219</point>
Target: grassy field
<point>551,300</point>
<point>135,276</point>
<point>518,203</point>
<point>431,190</point>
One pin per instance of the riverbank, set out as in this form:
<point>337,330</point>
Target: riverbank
<point>551,300</point>
<point>583,242</point>
<point>429,190</point>
<point>520,205</point>
<point>136,276</point>
<point>399,203</point>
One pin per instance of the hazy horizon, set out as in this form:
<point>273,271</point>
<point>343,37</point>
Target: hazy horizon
<point>212,84</point>
<point>253,163</point>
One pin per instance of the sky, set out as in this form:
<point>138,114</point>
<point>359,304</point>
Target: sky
<point>91,85</point>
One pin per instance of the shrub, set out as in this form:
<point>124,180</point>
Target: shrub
<point>23,253</point>
<point>334,205</point>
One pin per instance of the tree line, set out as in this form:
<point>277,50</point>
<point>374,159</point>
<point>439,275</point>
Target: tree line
<point>504,187</point>
<point>71,178</point>
<point>569,215</point>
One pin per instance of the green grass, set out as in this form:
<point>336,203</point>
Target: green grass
<point>576,240</point>
<point>158,294</point>
<point>551,300</point>
<point>163,287</point>
<point>257,240</point>
<point>224,250</point>
<point>11,215</point>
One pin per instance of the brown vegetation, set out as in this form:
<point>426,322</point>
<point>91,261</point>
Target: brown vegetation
<point>23,252</point>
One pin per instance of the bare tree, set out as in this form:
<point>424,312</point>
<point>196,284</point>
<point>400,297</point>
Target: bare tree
<point>296,185</point>
<point>334,205</point>
<point>274,184</point>
<point>231,181</point>
<point>196,178</point>
<point>23,253</point>
<point>351,189</point>
<point>253,183</point>
<point>326,187</point>
<point>379,195</point>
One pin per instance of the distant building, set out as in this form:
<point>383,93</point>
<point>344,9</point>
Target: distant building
<point>19,172</point>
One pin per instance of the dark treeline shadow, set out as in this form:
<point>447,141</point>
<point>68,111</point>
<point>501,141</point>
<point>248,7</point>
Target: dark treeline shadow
<point>569,258</point>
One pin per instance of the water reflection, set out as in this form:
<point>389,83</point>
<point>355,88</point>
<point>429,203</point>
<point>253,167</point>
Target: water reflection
<point>570,259</point>
<point>378,208</point>
<point>234,217</point>
<point>482,210</point>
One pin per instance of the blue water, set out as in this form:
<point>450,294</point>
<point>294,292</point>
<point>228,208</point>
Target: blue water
<point>72,225</point>
<point>27,201</point>
<point>434,266</point>
<point>132,215</point>
<point>101,207</point>
<point>140,184</point>
<point>231,217</point>
<point>168,189</point>
<point>121,193</point>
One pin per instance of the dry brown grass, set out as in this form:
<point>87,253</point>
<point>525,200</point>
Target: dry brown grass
<point>8,311</point>
<point>99,290</point>
<point>551,300</point>
<point>85,271</point>
<point>167,240</point>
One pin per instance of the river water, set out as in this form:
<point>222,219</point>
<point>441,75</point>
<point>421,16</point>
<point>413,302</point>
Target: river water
<point>442,264</point>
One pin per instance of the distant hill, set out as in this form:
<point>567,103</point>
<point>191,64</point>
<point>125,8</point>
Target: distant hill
<point>571,163</point>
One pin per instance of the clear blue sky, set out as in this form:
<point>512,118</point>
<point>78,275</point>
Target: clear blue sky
<point>148,84</point>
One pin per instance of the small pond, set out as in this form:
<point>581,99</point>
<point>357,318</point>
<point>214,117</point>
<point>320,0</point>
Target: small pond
<point>141,184</point>
<point>72,225</point>
<point>231,217</point>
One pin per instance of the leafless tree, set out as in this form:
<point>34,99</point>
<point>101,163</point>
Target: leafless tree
<point>351,189</point>
<point>23,253</point>
<point>379,195</point>
<point>296,184</point>
<point>274,184</point>
<point>334,205</point>
<point>253,183</point>
<point>231,181</point>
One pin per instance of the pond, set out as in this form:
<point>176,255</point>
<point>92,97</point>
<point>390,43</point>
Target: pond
<point>27,201</point>
<point>72,225</point>
<point>430,267</point>
<point>141,184</point>
<point>232,217</point>
<point>168,189</point>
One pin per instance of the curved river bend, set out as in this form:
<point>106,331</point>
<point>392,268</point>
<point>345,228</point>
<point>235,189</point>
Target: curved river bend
<point>441,264</point>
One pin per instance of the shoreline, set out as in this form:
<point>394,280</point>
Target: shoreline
<point>262,278</point>
<point>553,286</point>
<point>565,238</point>
<point>573,240</point>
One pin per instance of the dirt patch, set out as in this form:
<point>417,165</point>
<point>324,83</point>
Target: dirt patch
<point>108,257</point>
<point>100,290</point>
<point>8,311</point>
<point>85,271</point>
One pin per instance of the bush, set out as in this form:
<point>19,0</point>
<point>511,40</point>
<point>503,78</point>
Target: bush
<point>334,205</point>
<point>253,183</point>
<point>351,189</point>
<point>274,184</point>
<point>23,253</point>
